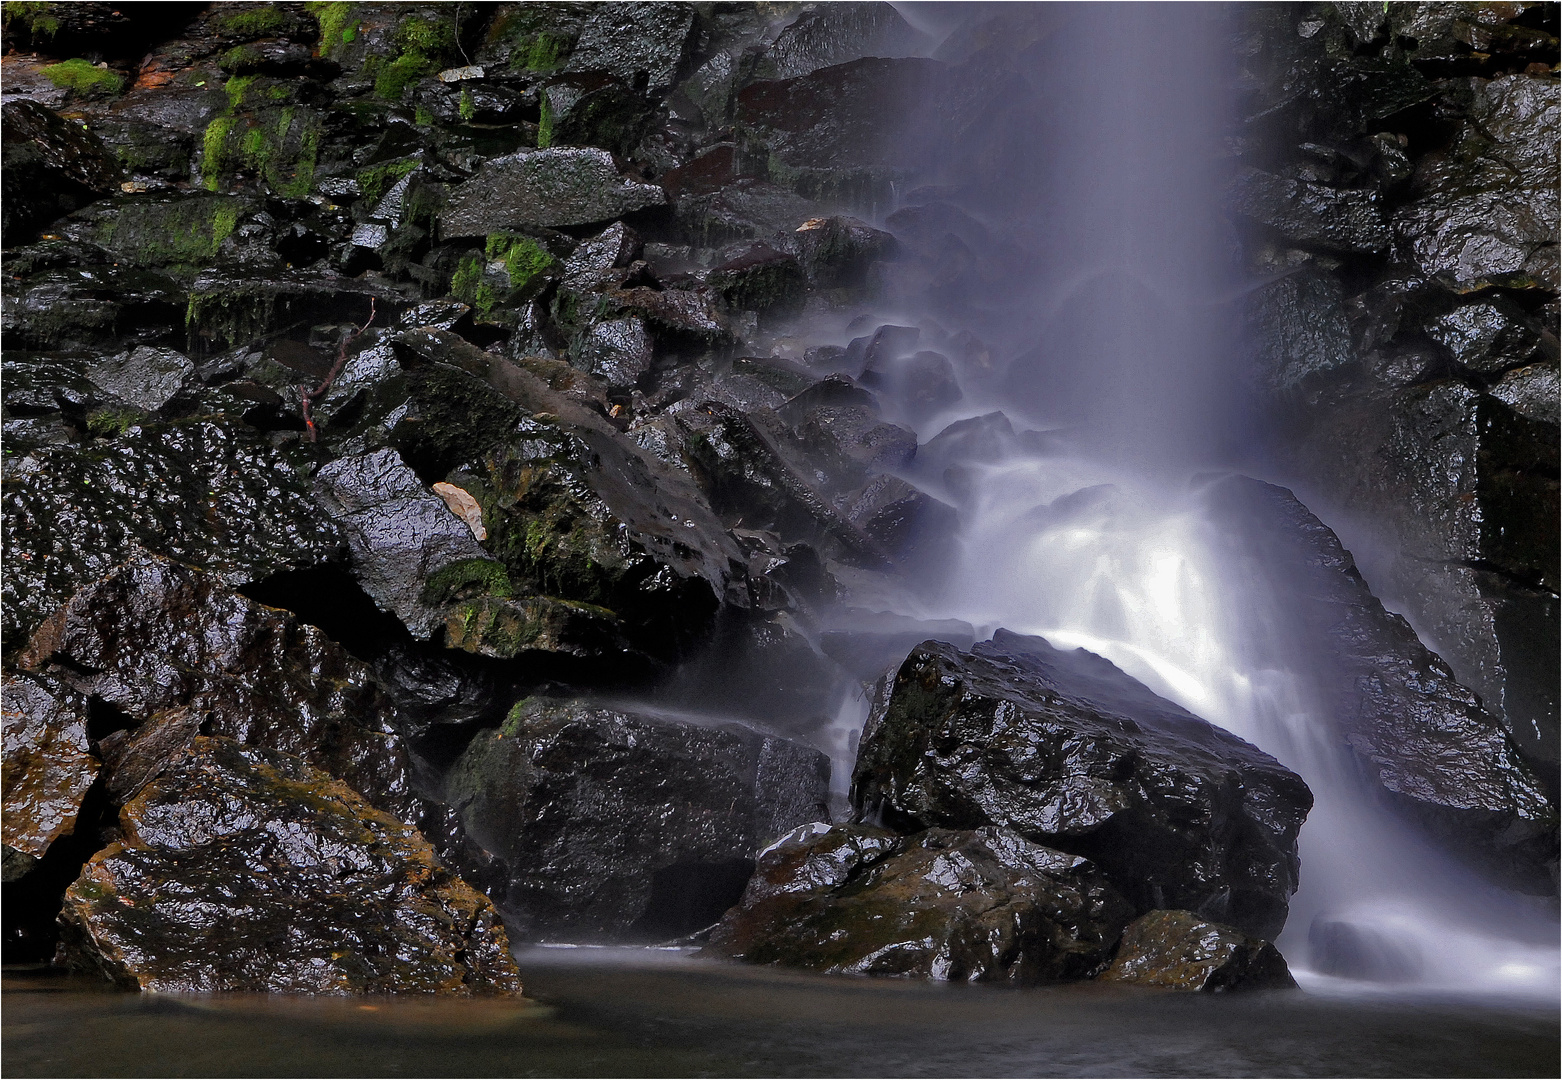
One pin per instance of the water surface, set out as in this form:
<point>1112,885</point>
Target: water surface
<point>620,1012</point>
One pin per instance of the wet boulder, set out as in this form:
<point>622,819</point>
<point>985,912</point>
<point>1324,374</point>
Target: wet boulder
<point>153,636</point>
<point>1312,215</point>
<point>838,252</point>
<point>1421,737</point>
<point>921,385</point>
<point>643,45</point>
<point>760,278</point>
<point>969,906</point>
<point>247,869</point>
<point>1177,950</point>
<point>1068,751</point>
<point>47,769</point>
<point>830,34</point>
<point>1531,391</point>
<point>1486,336</point>
<point>399,532</point>
<point>553,187</point>
<point>204,490</point>
<point>51,168</point>
<point>619,825</point>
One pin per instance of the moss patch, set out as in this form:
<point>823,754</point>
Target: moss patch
<point>376,180</point>
<point>467,580</point>
<point>40,19</point>
<point>186,233</point>
<point>253,22</point>
<point>84,78</point>
<point>337,22</point>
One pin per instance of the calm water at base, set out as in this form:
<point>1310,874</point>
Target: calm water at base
<point>592,1012</point>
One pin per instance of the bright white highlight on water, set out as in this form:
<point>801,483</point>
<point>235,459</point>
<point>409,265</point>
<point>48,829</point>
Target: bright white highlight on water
<point>1091,556</point>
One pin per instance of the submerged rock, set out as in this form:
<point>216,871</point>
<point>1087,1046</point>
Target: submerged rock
<point>1068,751</point>
<point>1418,735</point>
<point>978,906</point>
<point>1177,950</point>
<point>247,869</point>
<point>615,824</point>
<point>154,636</point>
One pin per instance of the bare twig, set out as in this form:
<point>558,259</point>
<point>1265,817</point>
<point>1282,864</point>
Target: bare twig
<point>311,396</point>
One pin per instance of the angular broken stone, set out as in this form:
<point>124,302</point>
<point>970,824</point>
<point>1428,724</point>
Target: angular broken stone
<point>154,636</point>
<point>399,532</point>
<point>247,869</point>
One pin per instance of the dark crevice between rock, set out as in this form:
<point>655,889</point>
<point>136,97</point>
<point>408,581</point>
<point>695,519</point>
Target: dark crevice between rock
<point>688,897</point>
<point>30,905</point>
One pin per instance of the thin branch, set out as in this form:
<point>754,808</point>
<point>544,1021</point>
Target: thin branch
<point>311,396</point>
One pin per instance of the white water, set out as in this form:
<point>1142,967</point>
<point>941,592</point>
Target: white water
<point>1090,556</point>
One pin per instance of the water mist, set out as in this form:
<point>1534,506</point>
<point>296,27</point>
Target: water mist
<point>1105,170</point>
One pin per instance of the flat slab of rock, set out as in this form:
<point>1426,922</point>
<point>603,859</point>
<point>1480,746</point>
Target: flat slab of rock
<point>553,187</point>
<point>969,906</point>
<point>1177,950</point>
<point>246,869</point>
<point>1068,751</point>
<point>619,825</point>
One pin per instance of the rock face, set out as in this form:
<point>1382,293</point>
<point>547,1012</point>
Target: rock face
<point>578,802</point>
<point>246,869</point>
<point>973,906</point>
<point>1395,360</point>
<point>1177,950</point>
<point>1421,737</point>
<point>154,637</point>
<point>1066,750</point>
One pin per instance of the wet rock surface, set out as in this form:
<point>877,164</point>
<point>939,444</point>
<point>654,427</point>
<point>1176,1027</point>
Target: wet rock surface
<point>247,869</point>
<point>48,767</point>
<point>961,906</point>
<point>612,823</point>
<point>1066,750</point>
<point>1397,361</point>
<point>1423,739</point>
<point>1177,950</point>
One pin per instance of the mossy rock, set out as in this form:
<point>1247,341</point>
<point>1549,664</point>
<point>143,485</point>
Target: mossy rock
<point>506,628</point>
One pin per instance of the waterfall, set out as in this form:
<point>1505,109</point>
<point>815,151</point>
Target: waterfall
<point>1100,540</point>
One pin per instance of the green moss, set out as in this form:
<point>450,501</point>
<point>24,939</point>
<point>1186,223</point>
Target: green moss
<point>236,87</point>
<point>39,19</point>
<point>545,125</point>
<point>422,117</point>
<point>467,286</point>
<point>241,57</point>
<point>545,52</point>
<point>524,259</point>
<point>376,180</point>
<point>188,232</point>
<point>280,92</point>
<point>394,78</point>
<point>467,108</point>
<point>253,22</point>
<point>215,150</point>
<point>425,37</point>
<point>515,718</point>
<point>84,78</point>
<point>231,317</point>
<point>467,580</point>
<point>254,145</point>
<point>337,25</point>
<point>107,423</point>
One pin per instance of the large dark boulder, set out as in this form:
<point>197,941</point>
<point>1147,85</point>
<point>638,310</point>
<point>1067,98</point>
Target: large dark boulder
<point>1069,752</point>
<point>977,906</point>
<point>246,869</point>
<point>153,637</point>
<point>1421,738</point>
<point>1177,950</point>
<point>617,825</point>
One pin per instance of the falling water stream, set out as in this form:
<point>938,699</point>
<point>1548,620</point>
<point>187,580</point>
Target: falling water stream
<point>1101,541</point>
